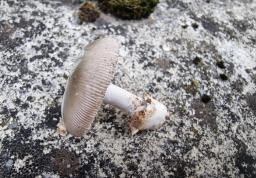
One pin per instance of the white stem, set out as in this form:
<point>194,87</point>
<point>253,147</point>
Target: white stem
<point>120,98</point>
<point>146,113</point>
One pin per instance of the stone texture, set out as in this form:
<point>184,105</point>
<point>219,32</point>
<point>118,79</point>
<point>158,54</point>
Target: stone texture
<point>40,42</point>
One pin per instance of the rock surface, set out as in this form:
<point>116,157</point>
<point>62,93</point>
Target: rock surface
<point>179,55</point>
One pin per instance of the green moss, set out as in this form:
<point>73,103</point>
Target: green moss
<point>128,9</point>
<point>88,12</point>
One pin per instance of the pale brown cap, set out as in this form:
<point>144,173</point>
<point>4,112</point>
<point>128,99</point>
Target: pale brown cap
<point>87,85</point>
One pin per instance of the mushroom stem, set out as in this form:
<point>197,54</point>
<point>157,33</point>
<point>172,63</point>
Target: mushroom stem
<point>120,98</point>
<point>146,112</point>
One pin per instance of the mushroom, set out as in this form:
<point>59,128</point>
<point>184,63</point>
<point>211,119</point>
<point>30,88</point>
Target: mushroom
<point>90,84</point>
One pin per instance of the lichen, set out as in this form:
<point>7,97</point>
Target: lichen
<point>64,161</point>
<point>192,88</point>
<point>128,9</point>
<point>88,12</point>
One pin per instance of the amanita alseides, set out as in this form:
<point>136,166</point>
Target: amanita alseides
<point>90,84</point>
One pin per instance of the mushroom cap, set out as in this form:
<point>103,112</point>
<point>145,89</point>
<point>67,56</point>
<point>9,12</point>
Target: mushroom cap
<point>87,85</point>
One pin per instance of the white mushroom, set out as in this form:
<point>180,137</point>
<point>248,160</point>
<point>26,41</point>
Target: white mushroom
<point>90,84</point>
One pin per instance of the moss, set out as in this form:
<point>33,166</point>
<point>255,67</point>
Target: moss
<point>88,12</point>
<point>192,88</point>
<point>128,9</point>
